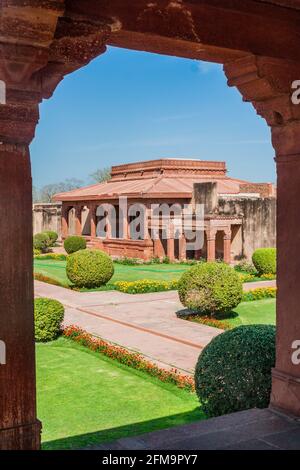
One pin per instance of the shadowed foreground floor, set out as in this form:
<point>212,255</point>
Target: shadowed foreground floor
<point>247,430</point>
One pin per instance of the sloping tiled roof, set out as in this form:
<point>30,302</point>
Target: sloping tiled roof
<point>162,178</point>
<point>162,186</point>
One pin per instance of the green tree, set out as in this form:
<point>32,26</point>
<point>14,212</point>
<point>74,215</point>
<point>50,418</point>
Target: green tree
<point>101,175</point>
<point>47,192</point>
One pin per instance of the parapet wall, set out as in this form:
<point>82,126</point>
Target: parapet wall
<point>47,217</point>
<point>259,223</point>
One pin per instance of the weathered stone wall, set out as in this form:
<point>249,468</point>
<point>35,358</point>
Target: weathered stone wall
<point>259,224</point>
<point>47,217</point>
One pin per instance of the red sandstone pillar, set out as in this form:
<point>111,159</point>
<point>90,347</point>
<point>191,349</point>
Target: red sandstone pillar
<point>286,375</point>
<point>158,248</point>
<point>211,245</point>
<point>93,209</point>
<point>108,226</point>
<point>78,226</point>
<point>64,223</point>
<point>227,246</point>
<point>123,217</point>
<point>182,247</point>
<point>171,249</point>
<point>171,243</point>
<point>19,427</point>
<point>146,224</point>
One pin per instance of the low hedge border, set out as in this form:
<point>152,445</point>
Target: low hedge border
<point>260,293</point>
<point>250,296</point>
<point>208,321</point>
<point>144,286</point>
<point>49,280</point>
<point>51,256</point>
<point>128,358</point>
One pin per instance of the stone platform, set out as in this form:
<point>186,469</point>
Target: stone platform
<point>247,430</point>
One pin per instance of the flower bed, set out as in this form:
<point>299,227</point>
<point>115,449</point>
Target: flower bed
<point>260,293</point>
<point>49,280</point>
<point>128,358</point>
<point>145,286</point>
<point>52,256</point>
<point>208,321</point>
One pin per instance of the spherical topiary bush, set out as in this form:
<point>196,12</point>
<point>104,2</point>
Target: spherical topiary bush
<point>41,242</point>
<point>89,268</point>
<point>48,316</point>
<point>264,259</point>
<point>74,243</point>
<point>233,372</point>
<point>210,288</point>
<point>53,236</point>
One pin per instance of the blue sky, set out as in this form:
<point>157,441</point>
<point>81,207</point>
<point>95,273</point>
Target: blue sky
<point>128,106</point>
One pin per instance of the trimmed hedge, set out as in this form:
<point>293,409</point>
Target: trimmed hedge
<point>264,260</point>
<point>260,293</point>
<point>233,372</point>
<point>210,288</point>
<point>41,242</point>
<point>51,256</point>
<point>48,316</point>
<point>145,286</point>
<point>53,236</point>
<point>89,268</point>
<point>74,243</point>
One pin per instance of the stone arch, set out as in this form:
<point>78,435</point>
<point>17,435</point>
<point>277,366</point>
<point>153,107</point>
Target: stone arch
<point>261,59</point>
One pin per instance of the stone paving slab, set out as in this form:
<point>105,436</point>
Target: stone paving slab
<point>146,323</point>
<point>247,430</point>
<point>164,352</point>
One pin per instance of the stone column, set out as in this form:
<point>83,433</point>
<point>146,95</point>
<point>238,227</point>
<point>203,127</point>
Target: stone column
<point>93,209</point>
<point>267,84</point>
<point>211,245</point>
<point>182,247</point>
<point>158,248</point>
<point>108,225</point>
<point>286,375</point>
<point>33,60</point>
<point>171,249</point>
<point>78,225</point>
<point>146,223</point>
<point>19,427</point>
<point>123,217</point>
<point>227,246</point>
<point>64,222</point>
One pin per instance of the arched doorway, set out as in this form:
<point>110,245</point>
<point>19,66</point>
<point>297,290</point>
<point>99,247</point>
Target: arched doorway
<point>260,58</point>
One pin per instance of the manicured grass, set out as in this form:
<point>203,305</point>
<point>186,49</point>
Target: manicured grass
<point>160,272</point>
<point>85,398</point>
<point>248,313</point>
<point>256,312</point>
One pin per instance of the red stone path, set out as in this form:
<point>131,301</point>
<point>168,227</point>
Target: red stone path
<point>146,323</point>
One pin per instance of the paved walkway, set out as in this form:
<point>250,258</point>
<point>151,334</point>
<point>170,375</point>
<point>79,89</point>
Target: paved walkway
<point>146,323</point>
<point>247,430</point>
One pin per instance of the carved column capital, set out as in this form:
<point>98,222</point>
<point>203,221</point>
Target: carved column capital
<point>267,84</point>
<point>211,233</point>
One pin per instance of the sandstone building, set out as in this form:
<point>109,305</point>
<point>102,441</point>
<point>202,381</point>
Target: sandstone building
<point>239,216</point>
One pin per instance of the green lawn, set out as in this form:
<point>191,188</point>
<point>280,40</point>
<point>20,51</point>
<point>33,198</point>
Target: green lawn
<point>85,398</point>
<point>256,312</point>
<point>160,272</point>
<point>248,313</point>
